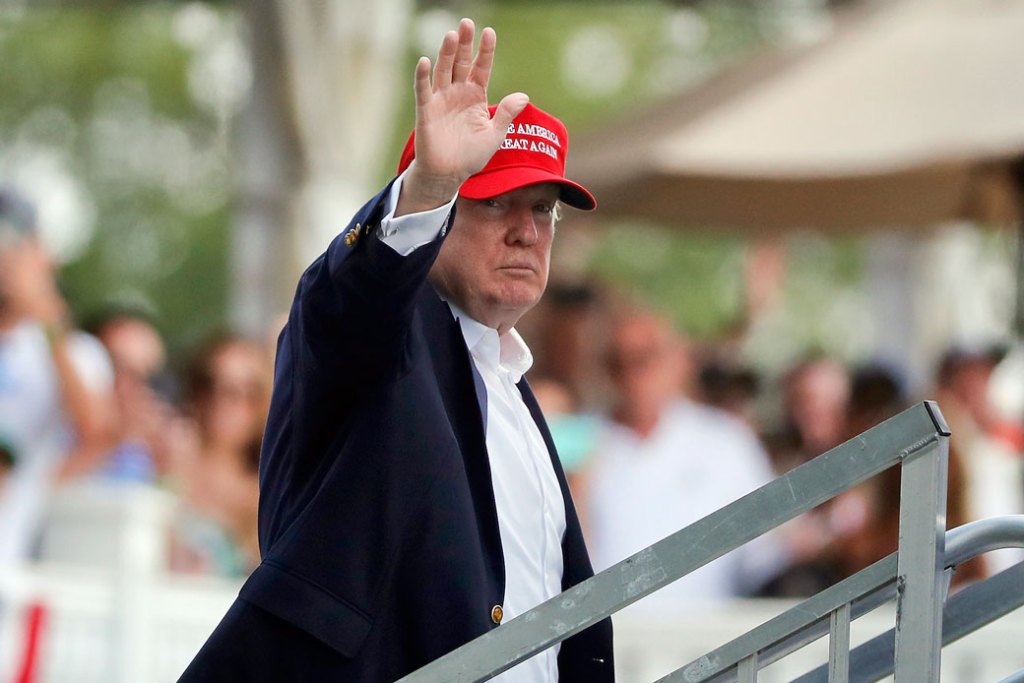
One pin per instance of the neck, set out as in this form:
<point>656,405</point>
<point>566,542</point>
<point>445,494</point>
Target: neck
<point>637,418</point>
<point>501,320</point>
<point>8,321</point>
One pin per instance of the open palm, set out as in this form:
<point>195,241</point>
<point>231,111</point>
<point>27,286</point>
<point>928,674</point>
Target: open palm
<point>455,134</point>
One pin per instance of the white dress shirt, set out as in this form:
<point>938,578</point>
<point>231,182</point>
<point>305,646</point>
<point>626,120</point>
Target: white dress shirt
<point>531,510</point>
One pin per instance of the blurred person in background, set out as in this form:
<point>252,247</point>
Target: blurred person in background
<point>725,379</point>
<point>147,422</point>
<point>815,394</point>
<point>226,397</point>
<point>575,434</point>
<point>842,535</point>
<point>877,394</point>
<point>56,405</point>
<point>861,525</point>
<point>665,461</point>
<point>733,388</point>
<point>566,330</point>
<point>993,464</point>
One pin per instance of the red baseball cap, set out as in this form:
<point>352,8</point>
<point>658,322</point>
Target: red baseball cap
<point>533,151</point>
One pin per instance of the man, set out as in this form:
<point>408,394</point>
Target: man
<point>665,462</point>
<point>411,499</point>
<point>56,408</point>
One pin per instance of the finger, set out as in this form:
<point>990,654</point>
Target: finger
<point>509,108</point>
<point>445,59</point>
<point>481,72</point>
<point>464,53</point>
<point>421,83</point>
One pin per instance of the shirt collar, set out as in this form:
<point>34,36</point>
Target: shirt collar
<point>507,352</point>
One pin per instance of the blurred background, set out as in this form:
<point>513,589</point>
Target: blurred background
<point>809,217</point>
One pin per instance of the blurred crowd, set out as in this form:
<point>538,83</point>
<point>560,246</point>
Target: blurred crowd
<point>99,402</point>
<point>655,430</point>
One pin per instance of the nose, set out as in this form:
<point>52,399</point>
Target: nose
<point>522,229</point>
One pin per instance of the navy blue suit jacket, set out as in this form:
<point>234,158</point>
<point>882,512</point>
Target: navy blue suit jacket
<point>378,527</point>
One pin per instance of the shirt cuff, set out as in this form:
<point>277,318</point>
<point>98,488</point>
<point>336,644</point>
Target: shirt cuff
<point>408,233</point>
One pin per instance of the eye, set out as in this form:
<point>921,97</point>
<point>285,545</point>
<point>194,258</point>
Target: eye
<point>492,203</point>
<point>544,208</point>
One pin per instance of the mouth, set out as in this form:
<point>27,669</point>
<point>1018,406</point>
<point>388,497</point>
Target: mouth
<point>518,269</point>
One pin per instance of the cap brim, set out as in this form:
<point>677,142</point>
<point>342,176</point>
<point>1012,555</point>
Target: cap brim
<point>502,180</point>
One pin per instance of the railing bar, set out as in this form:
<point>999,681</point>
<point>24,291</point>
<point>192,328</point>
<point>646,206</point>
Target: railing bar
<point>962,544</point>
<point>966,611</point>
<point>922,539</point>
<point>839,646</point>
<point>1017,677</point>
<point>799,625</point>
<point>982,536</point>
<point>746,670</point>
<point>797,491</point>
<point>861,606</point>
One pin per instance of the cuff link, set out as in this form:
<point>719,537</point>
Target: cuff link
<point>496,614</point>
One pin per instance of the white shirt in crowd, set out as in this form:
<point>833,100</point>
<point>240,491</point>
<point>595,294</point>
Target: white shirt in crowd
<point>641,490</point>
<point>531,510</point>
<point>34,424</point>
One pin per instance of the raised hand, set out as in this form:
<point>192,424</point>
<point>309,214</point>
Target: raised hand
<point>28,287</point>
<point>455,134</point>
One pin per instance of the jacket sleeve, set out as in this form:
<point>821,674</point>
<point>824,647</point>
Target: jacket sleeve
<point>354,306</point>
<point>347,335</point>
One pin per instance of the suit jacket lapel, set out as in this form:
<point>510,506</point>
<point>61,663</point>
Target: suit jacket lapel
<point>465,398</point>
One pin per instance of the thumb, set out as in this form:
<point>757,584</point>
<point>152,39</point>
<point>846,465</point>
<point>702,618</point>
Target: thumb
<point>509,108</point>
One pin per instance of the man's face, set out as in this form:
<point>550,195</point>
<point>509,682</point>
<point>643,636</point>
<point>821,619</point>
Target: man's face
<point>646,361</point>
<point>494,264</point>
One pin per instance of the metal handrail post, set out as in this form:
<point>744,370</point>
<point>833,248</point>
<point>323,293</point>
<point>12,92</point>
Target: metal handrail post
<point>919,579</point>
<point>966,611</point>
<point>839,645</point>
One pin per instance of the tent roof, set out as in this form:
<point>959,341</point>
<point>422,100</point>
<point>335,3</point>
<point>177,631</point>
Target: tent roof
<point>910,114</point>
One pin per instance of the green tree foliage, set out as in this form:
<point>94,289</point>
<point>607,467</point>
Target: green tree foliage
<point>123,115</point>
<point>100,124</point>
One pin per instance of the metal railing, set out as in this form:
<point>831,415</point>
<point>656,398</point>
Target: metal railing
<point>916,440</point>
<point>965,612</point>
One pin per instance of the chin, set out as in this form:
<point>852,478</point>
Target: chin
<point>520,294</point>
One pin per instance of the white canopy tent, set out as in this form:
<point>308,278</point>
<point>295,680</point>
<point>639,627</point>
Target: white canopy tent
<point>912,113</point>
<point>908,117</point>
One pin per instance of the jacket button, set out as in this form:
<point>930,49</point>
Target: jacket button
<point>496,614</point>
